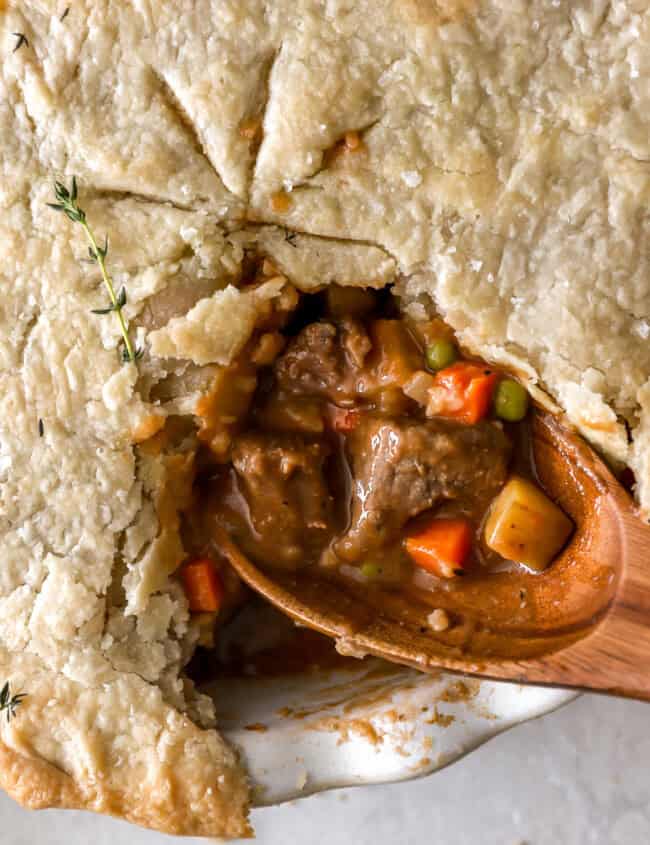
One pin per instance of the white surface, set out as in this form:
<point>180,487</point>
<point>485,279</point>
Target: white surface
<point>576,777</point>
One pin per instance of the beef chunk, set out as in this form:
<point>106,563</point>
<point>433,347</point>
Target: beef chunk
<point>402,467</point>
<point>356,342</point>
<point>325,360</point>
<point>313,362</point>
<point>290,507</point>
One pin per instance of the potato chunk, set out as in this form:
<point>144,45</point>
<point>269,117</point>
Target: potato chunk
<point>525,526</point>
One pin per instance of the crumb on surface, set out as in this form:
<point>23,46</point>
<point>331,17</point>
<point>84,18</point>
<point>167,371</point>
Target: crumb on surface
<point>438,620</point>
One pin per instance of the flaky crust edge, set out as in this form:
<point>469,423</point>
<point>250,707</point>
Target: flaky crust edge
<point>38,785</point>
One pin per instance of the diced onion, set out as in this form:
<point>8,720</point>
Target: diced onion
<point>424,580</point>
<point>419,386</point>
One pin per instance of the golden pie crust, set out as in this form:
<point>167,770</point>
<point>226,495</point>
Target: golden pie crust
<point>490,158</point>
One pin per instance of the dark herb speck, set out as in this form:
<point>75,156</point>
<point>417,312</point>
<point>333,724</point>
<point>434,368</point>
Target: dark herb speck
<point>21,39</point>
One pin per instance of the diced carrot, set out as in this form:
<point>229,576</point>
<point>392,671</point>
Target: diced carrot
<point>203,585</point>
<point>344,420</point>
<point>464,391</point>
<point>441,547</point>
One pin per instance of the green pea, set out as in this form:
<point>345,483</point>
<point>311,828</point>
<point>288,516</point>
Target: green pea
<point>441,353</point>
<point>371,570</point>
<point>510,400</point>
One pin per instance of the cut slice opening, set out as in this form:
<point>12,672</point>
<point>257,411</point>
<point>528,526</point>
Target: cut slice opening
<point>351,441</point>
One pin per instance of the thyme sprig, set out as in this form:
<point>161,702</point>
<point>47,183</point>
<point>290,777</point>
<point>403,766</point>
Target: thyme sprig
<point>10,703</point>
<point>66,201</point>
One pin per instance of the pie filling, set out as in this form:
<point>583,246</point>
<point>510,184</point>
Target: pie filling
<point>353,442</point>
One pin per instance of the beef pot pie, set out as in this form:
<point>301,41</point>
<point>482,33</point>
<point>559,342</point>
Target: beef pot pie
<point>478,172</point>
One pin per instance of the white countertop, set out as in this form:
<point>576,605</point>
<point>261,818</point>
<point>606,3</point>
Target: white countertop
<point>579,776</point>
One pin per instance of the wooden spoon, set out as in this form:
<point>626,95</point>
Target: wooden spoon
<point>584,622</point>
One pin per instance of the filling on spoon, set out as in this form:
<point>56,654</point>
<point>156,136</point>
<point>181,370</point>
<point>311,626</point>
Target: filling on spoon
<point>348,438</point>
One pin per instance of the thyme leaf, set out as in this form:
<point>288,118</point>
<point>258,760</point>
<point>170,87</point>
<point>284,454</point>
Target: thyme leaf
<point>120,303</point>
<point>10,703</point>
<point>138,352</point>
<point>66,202</point>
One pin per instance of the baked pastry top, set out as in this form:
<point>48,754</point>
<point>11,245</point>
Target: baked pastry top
<point>490,158</point>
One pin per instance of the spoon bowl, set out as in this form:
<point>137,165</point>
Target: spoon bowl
<point>583,623</point>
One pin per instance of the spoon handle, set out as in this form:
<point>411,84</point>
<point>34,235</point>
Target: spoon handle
<point>615,657</point>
